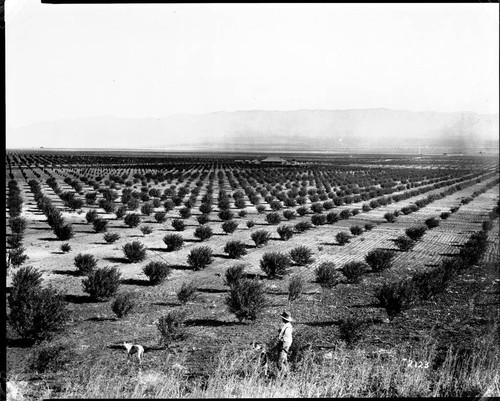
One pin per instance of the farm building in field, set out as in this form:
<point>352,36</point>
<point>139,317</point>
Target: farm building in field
<point>273,160</point>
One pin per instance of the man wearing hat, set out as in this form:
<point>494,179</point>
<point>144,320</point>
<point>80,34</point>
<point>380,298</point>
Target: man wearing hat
<point>285,342</point>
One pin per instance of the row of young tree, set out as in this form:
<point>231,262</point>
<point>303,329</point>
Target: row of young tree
<point>398,296</point>
<point>16,254</point>
<point>38,313</point>
<point>55,219</point>
<point>317,178</point>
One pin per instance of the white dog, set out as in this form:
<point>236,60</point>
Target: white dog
<point>263,359</point>
<point>132,349</point>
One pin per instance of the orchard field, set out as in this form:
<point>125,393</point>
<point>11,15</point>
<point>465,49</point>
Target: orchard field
<point>388,264</point>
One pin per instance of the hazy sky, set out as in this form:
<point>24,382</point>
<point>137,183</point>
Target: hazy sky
<point>154,60</point>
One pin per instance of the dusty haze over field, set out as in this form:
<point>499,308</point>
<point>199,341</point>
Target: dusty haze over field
<point>309,130</point>
<point>253,76</point>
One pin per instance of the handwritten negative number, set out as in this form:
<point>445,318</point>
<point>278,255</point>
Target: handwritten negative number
<point>416,364</point>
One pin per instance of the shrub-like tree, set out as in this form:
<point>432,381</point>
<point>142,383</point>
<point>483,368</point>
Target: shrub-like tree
<point>327,276</point>
<point>120,212</point>
<point>444,215</point>
<point>233,275</point>
<point>123,304</point>
<point>102,284</point>
<point>295,288</point>
<point>404,243</point>
<point>51,356</point>
<point>26,280</point>
<point>54,216</point>
<point>379,259</point>
<point>205,208</point>
<point>342,238</point>
<point>63,232</point>
<point>302,226</point>
<point>111,238</point>
<point>235,249</point>
<point>274,264</point>
<point>65,247</point>
<point>239,203</point>
<point>157,272</point>
<point>416,232</point>
<point>171,327</point>
<point>161,217</point>
<point>203,219</point>
<point>260,237</point>
<point>132,220</point>
<point>90,198</point>
<point>200,257</point>
<point>474,248</point>
<point>187,292</point>
<point>396,297</point>
<point>289,214</point>
<point>318,219</point>
<point>173,242</point>
<point>223,203</point>
<point>301,255</point>
<point>390,217</point>
<point>15,240</point>
<point>345,214</point>
<point>17,257</point>
<point>225,214</point>
<point>185,212</point>
<point>369,226</point>
<point>356,230</point>
<point>431,282</point>
<point>317,207</point>
<point>100,225</point>
<point>229,226</point>
<point>246,299</point>
<point>17,225</point>
<point>146,230</point>
<point>250,223</point>
<point>242,213</point>
<point>147,209</point>
<point>178,225</point>
<point>432,222</point>
<point>332,217</point>
<point>260,208</point>
<point>133,203</point>
<point>285,232</point>
<point>36,313</point>
<point>302,210</point>
<point>351,330</point>
<point>134,251</point>
<point>107,204</point>
<point>353,271</point>
<point>203,232</point>
<point>168,205</point>
<point>85,263</point>
<point>276,205</point>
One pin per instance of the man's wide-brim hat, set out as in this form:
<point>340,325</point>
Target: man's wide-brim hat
<point>285,315</point>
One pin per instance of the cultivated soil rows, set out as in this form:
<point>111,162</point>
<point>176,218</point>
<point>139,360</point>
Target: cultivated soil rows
<point>42,253</point>
<point>45,254</point>
<point>93,325</point>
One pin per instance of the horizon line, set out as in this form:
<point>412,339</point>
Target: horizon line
<point>245,111</point>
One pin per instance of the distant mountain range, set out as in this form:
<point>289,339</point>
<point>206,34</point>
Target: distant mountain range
<point>368,130</point>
